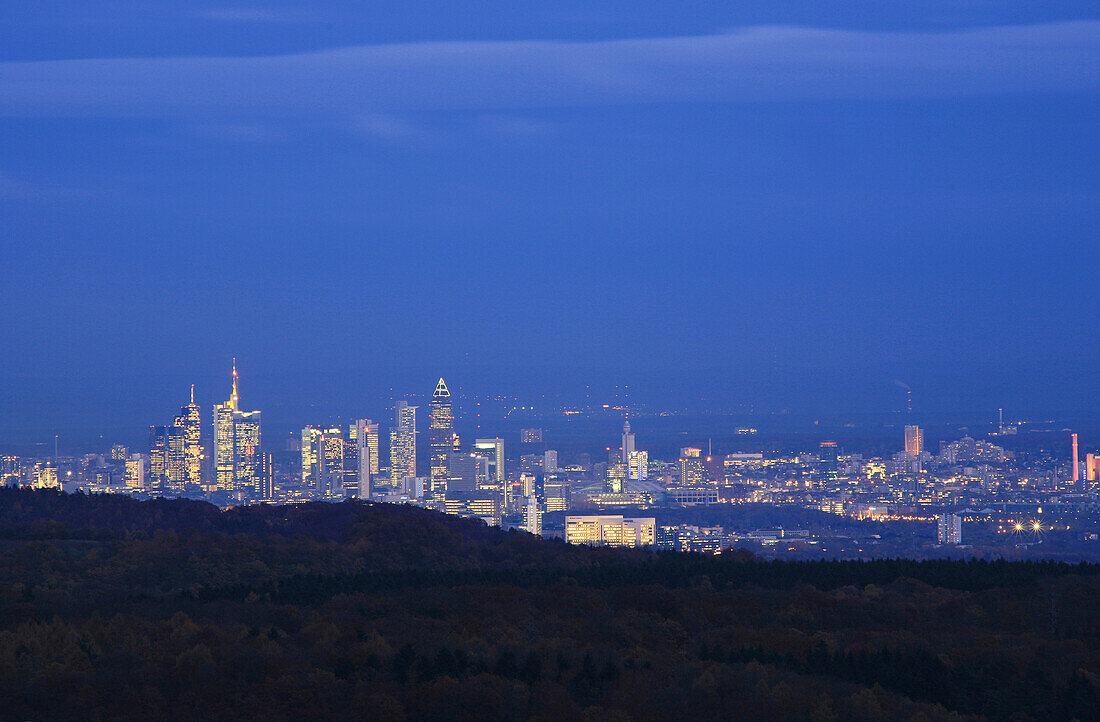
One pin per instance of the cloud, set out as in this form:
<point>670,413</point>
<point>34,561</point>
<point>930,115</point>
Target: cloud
<point>749,65</point>
<point>256,15</point>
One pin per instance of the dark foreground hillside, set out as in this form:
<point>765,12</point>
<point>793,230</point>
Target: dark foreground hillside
<point>113,608</point>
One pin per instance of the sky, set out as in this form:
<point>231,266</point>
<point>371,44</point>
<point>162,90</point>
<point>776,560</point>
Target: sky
<point>802,206</point>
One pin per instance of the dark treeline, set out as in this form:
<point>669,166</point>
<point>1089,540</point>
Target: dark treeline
<point>115,608</point>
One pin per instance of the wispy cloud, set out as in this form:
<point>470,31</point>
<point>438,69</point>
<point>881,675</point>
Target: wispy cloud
<point>257,15</point>
<point>753,64</point>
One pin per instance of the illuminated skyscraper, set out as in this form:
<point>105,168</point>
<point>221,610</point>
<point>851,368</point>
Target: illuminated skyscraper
<point>914,440</point>
<point>311,456</point>
<point>136,468</point>
<point>158,454</point>
<point>366,443</point>
<point>493,449</point>
<point>332,478</point>
<point>638,465</point>
<point>442,439</point>
<point>267,477</point>
<point>403,443</point>
<point>236,445</point>
<point>692,470</point>
<point>190,422</point>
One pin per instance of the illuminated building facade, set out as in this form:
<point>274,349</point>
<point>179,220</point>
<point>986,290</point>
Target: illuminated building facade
<point>692,470</point>
<point>493,450</point>
<point>442,439</point>
<point>403,443</point>
<point>914,440</point>
<point>610,531</point>
<point>237,458</point>
<point>364,434</point>
<point>949,529</point>
<point>638,465</point>
<point>190,421</point>
<point>532,516</point>
<point>136,469</point>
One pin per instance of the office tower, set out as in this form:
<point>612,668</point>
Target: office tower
<point>530,436</point>
<point>366,442</point>
<point>1076,467</point>
<point>349,483</point>
<point>403,443</point>
<point>158,454</point>
<point>610,531</point>
<point>462,472</point>
<point>119,452</point>
<point>914,440</point>
<point>530,464</point>
<point>637,465</point>
<point>628,443</point>
<point>236,445</point>
<point>175,466</point>
<point>532,516</point>
<point>556,491</point>
<point>190,422</point>
<point>692,470</point>
<point>949,529</point>
<point>828,454</point>
<point>332,463</point>
<point>312,442</point>
<point>136,469</point>
<point>442,439</point>
<point>267,477</point>
<point>365,434</point>
<point>1092,467</point>
<point>495,449</point>
<point>549,461</point>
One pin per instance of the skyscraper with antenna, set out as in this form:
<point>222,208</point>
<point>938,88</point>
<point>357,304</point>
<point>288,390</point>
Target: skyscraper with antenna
<point>237,457</point>
<point>190,420</point>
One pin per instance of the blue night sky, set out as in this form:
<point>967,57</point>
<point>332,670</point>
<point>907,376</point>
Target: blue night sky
<point>796,205</point>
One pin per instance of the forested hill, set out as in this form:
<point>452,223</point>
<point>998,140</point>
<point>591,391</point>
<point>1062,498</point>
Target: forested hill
<point>112,607</point>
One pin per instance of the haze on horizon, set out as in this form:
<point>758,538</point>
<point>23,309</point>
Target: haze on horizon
<point>796,207</point>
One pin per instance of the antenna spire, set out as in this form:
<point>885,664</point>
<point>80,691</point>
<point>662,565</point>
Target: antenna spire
<point>192,394</point>
<point>234,396</point>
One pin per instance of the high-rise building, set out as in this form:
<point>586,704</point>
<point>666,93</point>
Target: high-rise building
<point>158,454</point>
<point>119,452</point>
<point>190,421</point>
<point>692,470</point>
<point>442,439</point>
<point>267,477</point>
<point>532,516</point>
<point>136,468</point>
<point>949,529</point>
<point>914,440</point>
<point>549,461</point>
<point>175,467</point>
<point>236,445</point>
<point>312,443</point>
<point>403,443</point>
<point>628,443</point>
<point>530,436</point>
<point>495,449</point>
<point>366,441</point>
<point>638,465</point>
